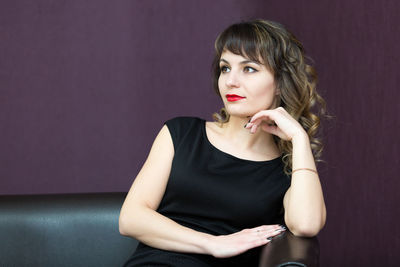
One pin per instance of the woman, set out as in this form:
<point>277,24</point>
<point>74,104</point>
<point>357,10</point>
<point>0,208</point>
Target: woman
<point>211,193</point>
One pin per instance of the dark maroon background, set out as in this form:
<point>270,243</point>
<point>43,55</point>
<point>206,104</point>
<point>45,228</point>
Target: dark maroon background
<point>86,85</point>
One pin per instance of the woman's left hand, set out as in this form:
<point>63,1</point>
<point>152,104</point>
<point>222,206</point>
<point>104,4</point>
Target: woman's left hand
<point>278,122</point>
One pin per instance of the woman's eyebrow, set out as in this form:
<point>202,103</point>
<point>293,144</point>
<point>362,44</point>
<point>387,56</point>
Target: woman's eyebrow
<point>241,62</point>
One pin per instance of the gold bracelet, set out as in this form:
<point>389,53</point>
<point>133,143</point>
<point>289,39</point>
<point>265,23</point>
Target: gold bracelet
<point>304,169</point>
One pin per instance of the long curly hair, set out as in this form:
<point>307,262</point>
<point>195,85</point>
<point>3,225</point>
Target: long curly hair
<point>271,44</point>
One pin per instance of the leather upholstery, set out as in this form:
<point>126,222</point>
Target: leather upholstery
<point>287,250</point>
<point>62,230</point>
<point>82,230</point>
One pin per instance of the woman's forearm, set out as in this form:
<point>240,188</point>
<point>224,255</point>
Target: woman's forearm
<point>156,230</point>
<point>305,212</point>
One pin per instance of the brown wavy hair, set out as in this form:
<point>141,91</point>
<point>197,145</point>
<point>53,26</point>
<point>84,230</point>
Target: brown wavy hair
<point>271,44</point>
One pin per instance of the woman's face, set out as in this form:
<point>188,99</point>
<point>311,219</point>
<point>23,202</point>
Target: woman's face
<point>246,87</point>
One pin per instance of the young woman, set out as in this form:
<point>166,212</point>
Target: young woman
<point>211,193</point>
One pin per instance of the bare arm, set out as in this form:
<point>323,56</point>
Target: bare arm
<point>139,219</point>
<point>305,211</point>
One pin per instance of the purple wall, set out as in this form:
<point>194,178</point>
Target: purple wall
<point>86,85</point>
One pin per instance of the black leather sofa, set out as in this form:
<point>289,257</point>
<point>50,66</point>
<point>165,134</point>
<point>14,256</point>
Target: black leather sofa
<point>82,230</point>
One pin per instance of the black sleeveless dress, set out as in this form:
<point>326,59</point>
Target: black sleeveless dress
<point>214,192</point>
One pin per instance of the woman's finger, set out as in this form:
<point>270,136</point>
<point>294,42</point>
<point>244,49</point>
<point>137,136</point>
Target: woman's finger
<point>268,235</point>
<point>264,229</point>
<point>246,239</point>
<point>274,233</point>
<point>253,128</point>
<point>264,114</point>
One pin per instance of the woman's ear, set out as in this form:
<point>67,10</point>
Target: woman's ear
<point>277,91</point>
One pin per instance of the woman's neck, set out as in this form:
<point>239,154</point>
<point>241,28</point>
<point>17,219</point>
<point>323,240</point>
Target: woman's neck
<point>241,137</point>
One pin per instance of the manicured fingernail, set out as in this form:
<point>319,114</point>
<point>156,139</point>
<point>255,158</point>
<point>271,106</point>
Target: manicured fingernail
<point>282,226</point>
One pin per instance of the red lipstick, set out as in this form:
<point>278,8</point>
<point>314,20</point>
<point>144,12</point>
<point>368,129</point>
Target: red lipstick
<point>233,97</point>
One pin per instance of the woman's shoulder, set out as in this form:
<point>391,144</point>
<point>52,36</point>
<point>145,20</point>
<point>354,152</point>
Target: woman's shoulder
<point>182,122</point>
<point>184,119</point>
<point>183,125</point>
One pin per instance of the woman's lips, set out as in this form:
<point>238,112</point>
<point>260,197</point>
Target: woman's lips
<point>232,98</point>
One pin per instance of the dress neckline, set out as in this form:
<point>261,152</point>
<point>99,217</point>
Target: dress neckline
<point>204,133</point>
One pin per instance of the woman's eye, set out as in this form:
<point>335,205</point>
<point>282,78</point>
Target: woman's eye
<point>249,69</point>
<point>224,69</point>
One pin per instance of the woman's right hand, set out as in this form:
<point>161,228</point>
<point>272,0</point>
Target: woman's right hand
<point>225,246</point>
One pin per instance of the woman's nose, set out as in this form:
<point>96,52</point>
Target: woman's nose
<point>232,80</point>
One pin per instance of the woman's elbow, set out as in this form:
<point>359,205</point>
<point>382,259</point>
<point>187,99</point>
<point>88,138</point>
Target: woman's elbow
<point>126,223</point>
<point>122,225</point>
<point>305,231</point>
<point>308,228</point>
<point>131,220</point>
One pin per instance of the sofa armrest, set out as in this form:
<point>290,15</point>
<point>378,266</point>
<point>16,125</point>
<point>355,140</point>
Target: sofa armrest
<point>288,250</point>
<point>82,230</point>
<point>62,230</point>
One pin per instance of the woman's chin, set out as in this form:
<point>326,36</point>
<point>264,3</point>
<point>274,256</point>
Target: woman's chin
<point>237,114</point>
<point>240,112</point>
